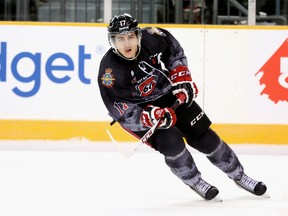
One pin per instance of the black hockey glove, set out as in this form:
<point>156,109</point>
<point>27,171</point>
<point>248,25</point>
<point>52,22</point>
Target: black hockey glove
<point>151,114</point>
<point>182,82</point>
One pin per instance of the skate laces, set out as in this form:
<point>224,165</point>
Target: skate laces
<point>202,187</point>
<point>247,182</point>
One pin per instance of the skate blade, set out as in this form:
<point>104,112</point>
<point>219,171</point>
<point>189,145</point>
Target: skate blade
<point>216,199</point>
<point>266,195</point>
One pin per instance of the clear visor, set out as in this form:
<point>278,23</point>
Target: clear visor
<point>124,39</point>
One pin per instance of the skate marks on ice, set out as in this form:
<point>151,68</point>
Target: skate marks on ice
<point>100,181</point>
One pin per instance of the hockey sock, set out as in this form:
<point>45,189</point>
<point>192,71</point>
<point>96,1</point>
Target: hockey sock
<point>225,159</point>
<point>184,167</point>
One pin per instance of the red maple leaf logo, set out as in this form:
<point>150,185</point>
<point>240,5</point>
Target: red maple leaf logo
<point>275,75</point>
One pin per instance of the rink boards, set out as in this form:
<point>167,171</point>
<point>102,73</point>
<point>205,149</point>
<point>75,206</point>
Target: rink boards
<point>96,131</point>
<point>49,90</point>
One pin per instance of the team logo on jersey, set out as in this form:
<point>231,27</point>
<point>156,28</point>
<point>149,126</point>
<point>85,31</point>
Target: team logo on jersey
<point>108,78</point>
<point>156,58</point>
<point>147,86</point>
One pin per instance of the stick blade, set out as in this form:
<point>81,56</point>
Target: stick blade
<point>126,154</point>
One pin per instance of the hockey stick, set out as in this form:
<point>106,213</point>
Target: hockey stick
<point>180,99</point>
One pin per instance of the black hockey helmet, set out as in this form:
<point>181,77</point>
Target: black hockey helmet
<point>123,24</point>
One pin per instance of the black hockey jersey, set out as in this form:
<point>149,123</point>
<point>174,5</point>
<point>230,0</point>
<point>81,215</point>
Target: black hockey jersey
<point>127,86</point>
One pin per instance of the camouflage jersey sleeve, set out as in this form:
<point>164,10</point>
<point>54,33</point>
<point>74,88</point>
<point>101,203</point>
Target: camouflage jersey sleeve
<point>174,54</point>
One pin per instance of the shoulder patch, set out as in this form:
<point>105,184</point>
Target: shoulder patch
<point>155,30</point>
<point>108,78</point>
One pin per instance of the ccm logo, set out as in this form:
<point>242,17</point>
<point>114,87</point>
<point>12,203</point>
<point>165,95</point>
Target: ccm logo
<point>179,74</point>
<point>197,118</point>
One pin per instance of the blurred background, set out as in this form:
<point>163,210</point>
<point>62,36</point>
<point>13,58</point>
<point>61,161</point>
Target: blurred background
<point>267,12</point>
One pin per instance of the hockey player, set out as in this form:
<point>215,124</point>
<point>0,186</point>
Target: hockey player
<point>139,78</point>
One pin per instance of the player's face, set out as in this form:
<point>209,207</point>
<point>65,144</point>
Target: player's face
<point>127,44</point>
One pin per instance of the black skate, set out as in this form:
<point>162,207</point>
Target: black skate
<point>251,185</point>
<point>205,190</point>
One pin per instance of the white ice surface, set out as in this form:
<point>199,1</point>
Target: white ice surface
<point>82,178</point>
